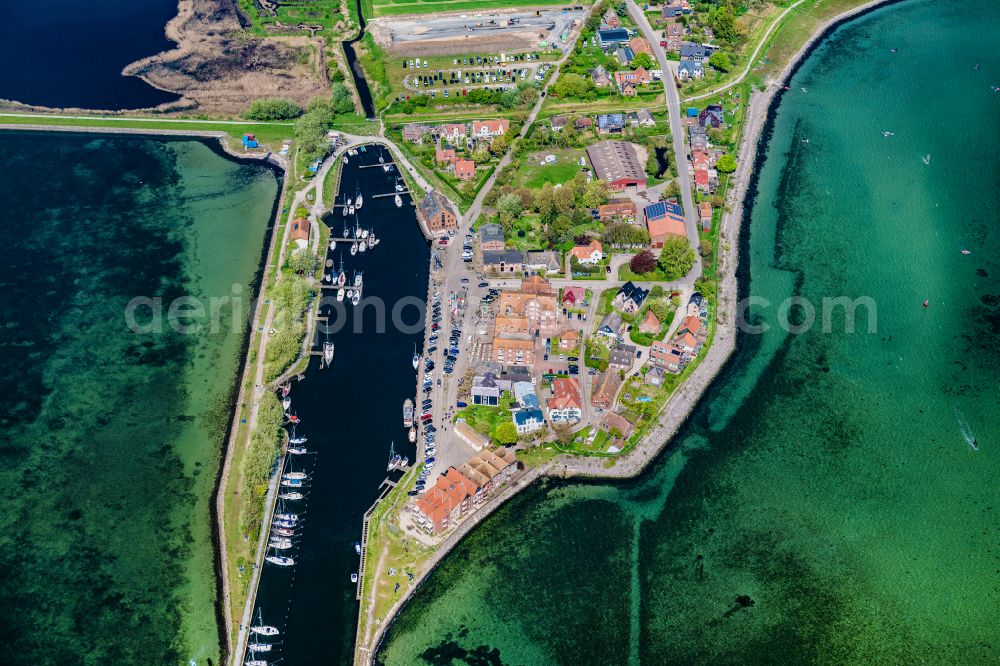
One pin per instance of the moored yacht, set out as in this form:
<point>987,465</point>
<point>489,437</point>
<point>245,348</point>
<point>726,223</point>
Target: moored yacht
<point>280,544</point>
<point>291,496</point>
<point>297,450</point>
<point>358,201</point>
<point>340,294</point>
<point>362,246</point>
<point>294,476</point>
<point>259,647</point>
<point>399,201</point>
<point>407,413</point>
<point>371,240</point>
<point>293,483</point>
<point>412,435</point>
<point>262,629</point>
<point>328,349</point>
<point>356,298</point>
<point>280,560</point>
<point>354,248</point>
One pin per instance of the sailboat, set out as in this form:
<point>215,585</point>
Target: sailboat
<point>262,629</point>
<point>356,298</point>
<point>408,413</point>
<point>354,248</point>
<point>294,476</point>
<point>259,647</point>
<point>381,159</point>
<point>328,350</point>
<point>343,210</point>
<point>362,246</point>
<point>416,356</point>
<point>340,294</point>
<point>347,232</point>
<point>333,243</point>
<point>297,450</point>
<point>283,543</point>
<point>290,496</point>
<point>395,460</point>
<point>280,560</point>
<point>357,278</point>
<point>342,276</point>
<point>360,200</point>
<point>371,240</point>
<point>286,402</point>
<point>399,201</point>
<point>293,483</point>
<point>286,388</point>
<point>297,439</point>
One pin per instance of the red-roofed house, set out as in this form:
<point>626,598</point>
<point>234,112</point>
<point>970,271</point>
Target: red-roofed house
<point>640,45</point>
<point>454,131</point>
<point>573,296</point>
<point>650,324</point>
<point>569,339</point>
<point>465,169</point>
<point>300,231</point>
<point>489,128</point>
<point>446,156</point>
<point>589,254</point>
<point>702,183</point>
<point>451,497</point>
<point>621,209</point>
<point>666,355</point>
<point>630,79</point>
<point>565,405</point>
<point>701,160</point>
<point>705,215</point>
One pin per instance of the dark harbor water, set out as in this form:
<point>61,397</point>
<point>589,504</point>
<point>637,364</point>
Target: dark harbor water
<point>110,439</point>
<point>824,503</point>
<point>67,53</point>
<point>351,413</point>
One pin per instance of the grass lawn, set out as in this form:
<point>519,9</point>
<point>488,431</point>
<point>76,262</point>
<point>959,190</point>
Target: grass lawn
<point>655,275</point>
<point>604,304</point>
<point>533,173</point>
<point>533,239</point>
<point>486,419</point>
<point>537,455</point>
<point>796,29</point>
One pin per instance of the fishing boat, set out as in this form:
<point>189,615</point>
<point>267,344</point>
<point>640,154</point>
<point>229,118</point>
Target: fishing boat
<point>262,629</point>
<point>293,483</point>
<point>407,413</point>
<point>356,298</point>
<point>294,476</point>
<point>280,560</point>
<point>416,356</point>
<point>412,435</point>
<point>399,201</point>
<point>279,544</point>
<point>354,248</point>
<point>291,496</point>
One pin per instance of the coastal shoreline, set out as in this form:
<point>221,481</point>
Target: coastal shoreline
<point>752,150</point>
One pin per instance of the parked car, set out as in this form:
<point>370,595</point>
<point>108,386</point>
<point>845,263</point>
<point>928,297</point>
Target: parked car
<point>484,284</point>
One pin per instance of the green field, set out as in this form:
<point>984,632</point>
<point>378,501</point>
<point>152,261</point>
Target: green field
<point>373,8</point>
<point>533,175</point>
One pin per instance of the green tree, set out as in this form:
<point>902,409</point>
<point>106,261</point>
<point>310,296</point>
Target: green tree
<point>724,25</point>
<point>273,108</point>
<point>506,433</point>
<point>656,292</point>
<point>509,208</point>
<point>726,163</point>
<point>341,99</point>
<point>565,198</point>
<point>676,258</point>
<point>720,61</point>
<point>559,228</point>
<point>662,309</point>
<point>596,194</point>
<point>481,155</point>
<point>545,203</point>
<point>643,60</point>
<point>620,234</point>
<point>303,261</point>
<point>575,85</point>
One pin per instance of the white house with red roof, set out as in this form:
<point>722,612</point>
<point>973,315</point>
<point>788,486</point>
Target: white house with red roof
<point>589,254</point>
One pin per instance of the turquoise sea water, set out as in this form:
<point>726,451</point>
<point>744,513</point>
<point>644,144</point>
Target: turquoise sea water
<point>823,504</point>
<point>110,440</point>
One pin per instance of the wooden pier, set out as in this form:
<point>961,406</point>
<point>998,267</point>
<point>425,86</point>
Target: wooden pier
<point>380,165</point>
<point>390,194</point>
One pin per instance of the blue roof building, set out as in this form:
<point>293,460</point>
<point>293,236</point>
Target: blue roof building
<point>528,420</point>
<point>625,54</point>
<point>689,69</point>
<point>692,112</point>
<point>610,37</point>
<point>664,209</point>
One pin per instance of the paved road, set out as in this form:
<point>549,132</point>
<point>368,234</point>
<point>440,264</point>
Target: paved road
<point>678,134</point>
<point>752,59</point>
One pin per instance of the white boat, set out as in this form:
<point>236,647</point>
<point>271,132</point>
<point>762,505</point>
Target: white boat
<point>259,647</point>
<point>385,167</point>
<point>412,436</point>
<point>328,349</point>
<point>358,201</point>
<point>356,298</point>
<point>291,496</point>
<point>262,629</point>
<point>283,531</point>
<point>354,248</point>
<point>362,246</point>
<point>286,402</point>
<point>280,544</point>
<point>364,233</point>
<point>292,483</point>
<point>255,662</point>
<point>327,277</point>
<point>294,476</point>
<point>280,560</point>
<point>347,231</point>
<point>399,201</point>
<point>340,294</point>
<point>357,547</point>
<point>350,209</point>
<point>297,439</point>
<point>354,578</point>
<point>358,279</point>
<point>372,241</point>
<point>343,211</point>
<point>287,516</point>
<point>399,188</point>
<point>333,243</point>
<point>407,413</point>
<point>381,159</point>
<point>416,356</point>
